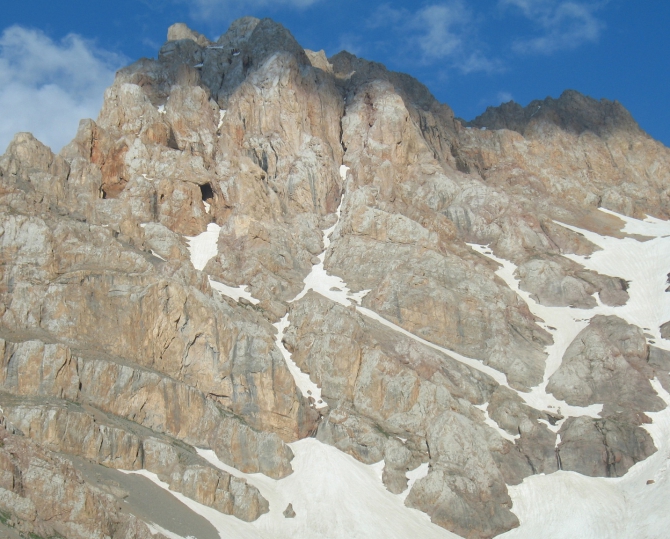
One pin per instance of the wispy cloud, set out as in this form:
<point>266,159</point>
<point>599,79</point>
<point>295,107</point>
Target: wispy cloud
<point>503,97</point>
<point>562,24</point>
<point>350,42</point>
<point>229,9</point>
<point>440,32</point>
<point>46,87</point>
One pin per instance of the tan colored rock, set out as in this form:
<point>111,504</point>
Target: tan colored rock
<point>272,258</point>
<point>87,432</point>
<point>396,388</point>
<point>553,150</point>
<point>100,305</point>
<point>464,475</point>
<point>152,400</point>
<point>443,298</point>
<point>231,357</point>
<point>193,119</point>
<point>31,166</point>
<point>289,124</point>
<point>180,31</point>
<point>320,60</point>
<point>43,494</point>
<point>400,258</point>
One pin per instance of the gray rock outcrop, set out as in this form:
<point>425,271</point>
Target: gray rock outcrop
<point>609,362</point>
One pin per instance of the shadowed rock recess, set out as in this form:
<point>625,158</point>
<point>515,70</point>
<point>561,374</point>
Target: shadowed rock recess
<point>115,349</point>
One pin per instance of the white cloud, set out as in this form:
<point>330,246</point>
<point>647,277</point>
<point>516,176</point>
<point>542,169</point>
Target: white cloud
<point>504,97</point>
<point>228,9</point>
<point>350,42</point>
<point>440,32</point>
<point>46,87</point>
<point>563,24</point>
<point>442,28</point>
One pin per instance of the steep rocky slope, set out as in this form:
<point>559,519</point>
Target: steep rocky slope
<point>167,287</point>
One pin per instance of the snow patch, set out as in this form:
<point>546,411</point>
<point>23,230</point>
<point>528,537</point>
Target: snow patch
<point>222,115</point>
<point>203,247</point>
<point>155,529</point>
<point>643,264</point>
<point>567,323</point>
<point>334,497</point>
<point>491,423</point>
<point>330,286</point>
<point>650,226</point>
<point>413,476</point>
<point>565,505</point>
<point>560,505</point>
<point>234,293</point>
<point>302,380</point>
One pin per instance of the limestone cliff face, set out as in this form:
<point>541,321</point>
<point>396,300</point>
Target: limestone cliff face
<point>108,327</point>
<point>43,494</point>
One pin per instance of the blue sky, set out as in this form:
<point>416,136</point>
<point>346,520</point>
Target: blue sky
<point>56,58</point>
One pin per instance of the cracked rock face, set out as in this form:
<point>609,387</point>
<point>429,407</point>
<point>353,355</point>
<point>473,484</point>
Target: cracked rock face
<point>43,494</point>
<point>114,348</point>
<point>608,362</point>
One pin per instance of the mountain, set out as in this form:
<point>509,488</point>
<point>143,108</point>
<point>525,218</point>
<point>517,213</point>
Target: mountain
<point>269,293</point>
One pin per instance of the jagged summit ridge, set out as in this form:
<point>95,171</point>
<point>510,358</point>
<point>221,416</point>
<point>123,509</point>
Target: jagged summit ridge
<point>572,112</point>
<point>467,328</point>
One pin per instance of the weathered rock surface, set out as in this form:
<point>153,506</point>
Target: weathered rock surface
<point>609,362</point>
<point>604,155</point>
<point>604,447</point>
<point>41,493</point>
<point>534,451</point>
<point>149,398</point>
<point>87,432</point>
<point>289,511</point>
<point>464,475</point>
<point>384,388</point>
<point>558,282</point>
<point>116,349</point>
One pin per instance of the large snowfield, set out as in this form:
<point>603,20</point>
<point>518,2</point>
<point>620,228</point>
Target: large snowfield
<point>336,497</point>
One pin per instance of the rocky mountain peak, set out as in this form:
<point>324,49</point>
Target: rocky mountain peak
<point>259,260</point>
<point>572,111</point>
<point>180,31</point>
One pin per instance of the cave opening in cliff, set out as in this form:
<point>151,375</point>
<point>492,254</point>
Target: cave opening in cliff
<point>206,191</point>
